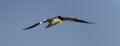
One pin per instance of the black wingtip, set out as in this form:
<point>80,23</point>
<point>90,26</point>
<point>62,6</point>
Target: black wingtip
<point>31,26</point>
<point>25,29</point>
<point>90,23</point>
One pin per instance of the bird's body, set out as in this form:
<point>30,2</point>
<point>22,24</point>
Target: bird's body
<point>52,22</point>
<point>56,20</point>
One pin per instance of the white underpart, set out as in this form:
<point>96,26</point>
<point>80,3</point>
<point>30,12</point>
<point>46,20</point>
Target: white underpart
<point>58,19</point>
<point>55,21</point>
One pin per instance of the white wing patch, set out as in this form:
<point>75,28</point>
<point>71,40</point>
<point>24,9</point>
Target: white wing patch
<point>44,19</point>
<point>41,22</point>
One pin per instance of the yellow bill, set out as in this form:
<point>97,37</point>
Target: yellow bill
<point>60,21</point>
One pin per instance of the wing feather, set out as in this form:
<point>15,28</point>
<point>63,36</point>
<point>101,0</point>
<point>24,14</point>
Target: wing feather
<point>75,20</point>
<point>31,26</point>
<point>45,20</point>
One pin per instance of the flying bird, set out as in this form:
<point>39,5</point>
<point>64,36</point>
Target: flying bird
<point>55,20</point>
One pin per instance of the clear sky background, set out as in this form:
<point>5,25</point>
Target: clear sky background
<point>18,14</point>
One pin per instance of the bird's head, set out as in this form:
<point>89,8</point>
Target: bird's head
<point>60,19</point>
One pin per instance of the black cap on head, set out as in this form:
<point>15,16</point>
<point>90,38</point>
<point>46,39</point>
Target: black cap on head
<point>59,17</point>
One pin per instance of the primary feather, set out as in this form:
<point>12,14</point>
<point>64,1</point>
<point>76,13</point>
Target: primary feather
<point>75,20</point>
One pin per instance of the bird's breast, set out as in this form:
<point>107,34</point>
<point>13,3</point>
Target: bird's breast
<point>54,21</point>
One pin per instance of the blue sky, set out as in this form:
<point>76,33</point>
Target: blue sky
<point>18,14</point>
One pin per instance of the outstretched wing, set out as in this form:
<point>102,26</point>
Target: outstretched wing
<point>31,26</point>
<point>45,20</point>
<point>75,20</point>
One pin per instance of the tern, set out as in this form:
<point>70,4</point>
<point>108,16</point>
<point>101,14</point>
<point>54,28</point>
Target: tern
<point>55,20</point>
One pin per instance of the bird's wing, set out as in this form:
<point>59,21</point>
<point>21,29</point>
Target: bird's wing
<point>31,26</point>
<point>75,20</point>
<point>43,21</point>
